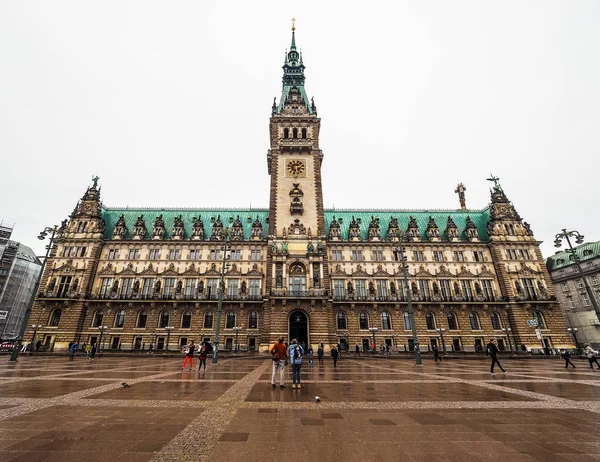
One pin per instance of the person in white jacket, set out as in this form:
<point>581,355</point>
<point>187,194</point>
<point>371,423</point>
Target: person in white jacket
<point>591,354</point>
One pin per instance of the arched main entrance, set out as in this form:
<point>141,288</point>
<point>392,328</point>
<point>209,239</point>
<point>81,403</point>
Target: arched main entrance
<point>298,327</point>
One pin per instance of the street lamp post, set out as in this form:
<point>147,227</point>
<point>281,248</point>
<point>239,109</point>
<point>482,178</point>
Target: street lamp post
<point>507,331</point>
<point>441,330</point>
<point>225,248</point>
<point>236,329</point>
<point>168,329</point>
<point>102,329</point>
<point>35,328</point>
<point>573,332</point>
<point>373,330</point>
<point>54,233</point>
<point>411,313</point>
<point>578,240</point>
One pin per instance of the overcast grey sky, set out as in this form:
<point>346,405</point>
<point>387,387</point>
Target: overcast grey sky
<point>169,103</point>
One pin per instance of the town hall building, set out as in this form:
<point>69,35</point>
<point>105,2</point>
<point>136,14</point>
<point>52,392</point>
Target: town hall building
<point>147,276</point>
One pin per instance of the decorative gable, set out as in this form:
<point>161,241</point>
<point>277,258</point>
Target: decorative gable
<point>335,233</point>
<point>393,232</point>
<point>237,230</point>
<point>413,230</point>
<point>197,229</point>
<point>444,273</point>
<point>108,269</point>
<point>465,272</point>
<point>178,229</point>
<point>212,271</point>
<point>423,272</point>
<point>338,272</point>
<point>139,230</point>
<point>433,233</point>
<point>254,271</point>
<point>191,271</point>
<point>170,271</point>
<point>374,231</point>
<point>120,230</point>
<point>360,272</point>
<point>149,270</point>
<point>354,231</point>
<point>452,233</point>
<point>381,272</point>
<point>159,228</point>
<point>128,270</point>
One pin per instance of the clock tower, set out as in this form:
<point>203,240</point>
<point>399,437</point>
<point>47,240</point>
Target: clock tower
<point>296,219</point>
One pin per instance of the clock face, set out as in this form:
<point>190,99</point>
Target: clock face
<point>296,168</point>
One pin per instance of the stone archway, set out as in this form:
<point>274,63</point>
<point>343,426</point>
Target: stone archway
<point>298,327</point>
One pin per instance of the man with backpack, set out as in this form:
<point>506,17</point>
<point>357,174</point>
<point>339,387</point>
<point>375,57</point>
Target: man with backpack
<point>492,350</point>
<point>296,352</point>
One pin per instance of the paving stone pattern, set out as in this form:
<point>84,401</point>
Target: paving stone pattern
<point>53,409</point>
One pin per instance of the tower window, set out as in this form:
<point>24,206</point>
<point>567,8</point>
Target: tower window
<point>295,133</point>
<point>304,133</point>
<point>286,133</point>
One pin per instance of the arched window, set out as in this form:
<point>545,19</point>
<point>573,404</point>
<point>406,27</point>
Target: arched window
<point>363,319</point>
<point>474,320</point>
<point>186,320</point>
<point>452,322</point>
<point>407,323</point>
<point>539,317</point>
<point>55,317</point>
<point>208,320</point>
<point>304,133</point>
<point>430,321</point>
<point>120,319</point>
<point>495,318</point>
<point>386,321</point>
<point>230,320</point>
<point>97,319</point>
<point>163,320</point>
<point>142,319</point>
<point>253,320</point>
<point>341,320</point>
<point>286,133</point>
<point>295,133</point>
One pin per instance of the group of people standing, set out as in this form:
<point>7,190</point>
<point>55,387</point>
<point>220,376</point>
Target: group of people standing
<point>189,355</point>
<point>88,349</point>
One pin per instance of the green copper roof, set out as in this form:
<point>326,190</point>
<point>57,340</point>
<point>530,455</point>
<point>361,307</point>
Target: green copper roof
<point>363,217</point>
<point>208,216</point>
<point>563,259</point>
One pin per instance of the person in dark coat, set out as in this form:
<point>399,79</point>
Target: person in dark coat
<point>492,351</point>
<point>436,353</point>
<point>567,357</point>
<point>335,355</point>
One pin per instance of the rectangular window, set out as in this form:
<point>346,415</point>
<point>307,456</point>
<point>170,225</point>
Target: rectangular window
<point>211,287</point>
<point>113,254</point>
<point>418,255</point>
<point>81,251</point>
<point>478,255</point>
<point>154,254</point>
<point>524,254</point>
<point>528,287</point>
<point>511,254</point>
<point>487,288</point>
<point>215,254</point>
<point>357,255</point>
<point>147,287</point>
<point>360,286</point>
<point>458,255</point>
<point>126,287</point>
<point>169,287</point>
<point>580,284</point>
<point>195,254</point>
<point>255,287</point>
<point>586,300</point>
<point>63,286</point>
<point>382,288</point>
<point>401,289</point>
<point>571,303</point>
<point>466,288</point>
<point>424,288</point>
<point>105,286</point>
<point>438,255</point>
<point>174,254</point>
<point>232,287</point>
<point>377,255</point>
<point>338,287</point>
<point>445,288</point>
<point>255,255</point>
<point>134,254</point>
<point>595,280</point>
<point>336,255</point>
<point>190,287</point>
<point>235,254</point>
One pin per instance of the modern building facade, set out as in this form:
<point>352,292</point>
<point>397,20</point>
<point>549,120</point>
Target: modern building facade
<point>296,269</point>
<point>19,270</point>
<point>571,292</point>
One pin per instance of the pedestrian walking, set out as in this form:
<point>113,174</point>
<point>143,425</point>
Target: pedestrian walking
<point>38,345</point>
<point>93,352</point>
<point>88,350</point>
<point>279,353</point>
<point>320,353</point>
<point>189,355</point>
<point>310,356</point>
<point>335,355</point>
<point>151,348</point>
<point>73,349</point>
<point>436,353</point>
<point>567,357</point>
<point>339,349</point>
<point>202,354</point>
<point>296,352</point>
<point>591,354</point>
<point>24,347</point>
<point>492,351</point>
<point>356,351</point>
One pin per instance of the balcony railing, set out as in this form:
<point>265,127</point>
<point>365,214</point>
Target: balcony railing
<point>183,297</point>
<point>299,293</point>
<point>418,298</point>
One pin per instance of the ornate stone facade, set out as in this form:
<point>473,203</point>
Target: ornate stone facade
<point>296,269</point>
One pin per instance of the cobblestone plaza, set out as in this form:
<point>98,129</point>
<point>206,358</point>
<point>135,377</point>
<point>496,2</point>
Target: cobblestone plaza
<point>371,409</point>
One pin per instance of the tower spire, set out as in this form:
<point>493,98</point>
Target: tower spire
<point>293,47</point>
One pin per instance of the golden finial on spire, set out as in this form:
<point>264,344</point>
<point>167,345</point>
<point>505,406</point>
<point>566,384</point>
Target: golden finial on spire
<point>293,24</point>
